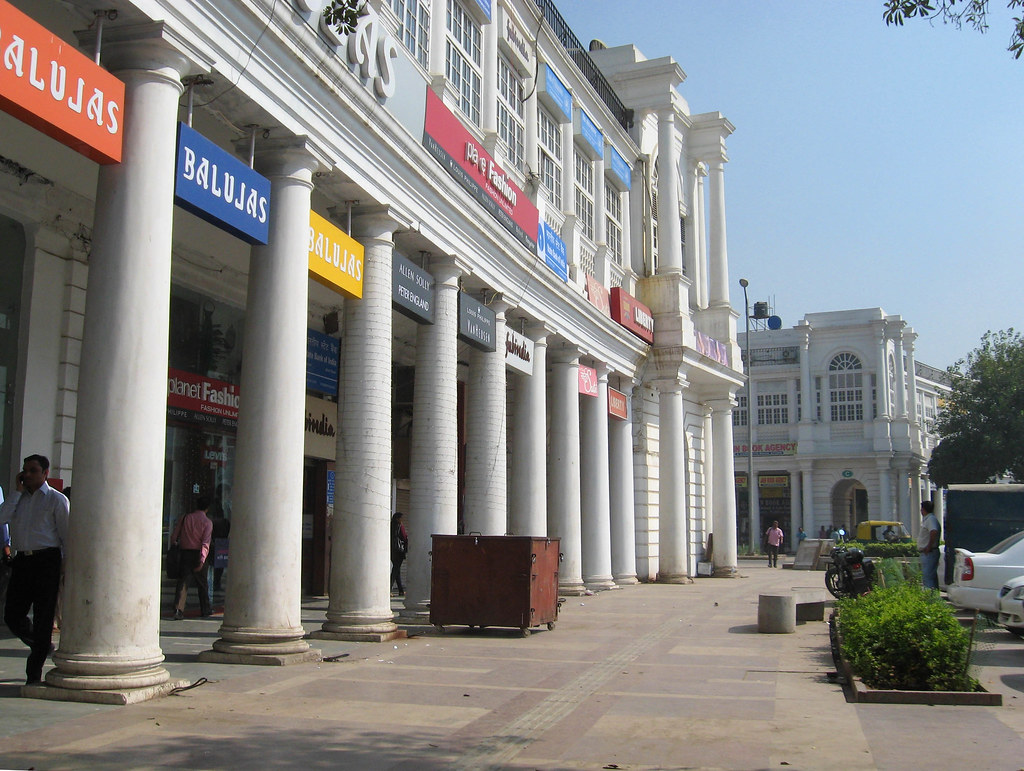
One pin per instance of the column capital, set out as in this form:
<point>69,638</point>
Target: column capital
<point>293,156</point>
<point>670,385</point>
<point>497,302</point>
<point>563,352</point>
<point>151,46</point>
<point>722,403</point>
<point>538,331</point>
<point>377,222</point>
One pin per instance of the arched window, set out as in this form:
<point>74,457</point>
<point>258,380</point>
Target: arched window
<point>846,388</point>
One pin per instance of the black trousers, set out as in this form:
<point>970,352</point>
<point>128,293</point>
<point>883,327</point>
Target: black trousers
<point>35,582</point>
<point>397,558</point>
<point>188,560</point>
<point>773,556</point>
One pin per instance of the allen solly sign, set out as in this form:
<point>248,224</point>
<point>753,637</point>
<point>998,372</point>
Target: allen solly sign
<point>56,89</point>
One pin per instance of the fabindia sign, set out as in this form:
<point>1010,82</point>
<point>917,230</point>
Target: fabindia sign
<point>467,161</point>
<point>56,89</point>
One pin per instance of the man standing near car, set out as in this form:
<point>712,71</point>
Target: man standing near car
<point>38,518</point>
<point>928,545</point>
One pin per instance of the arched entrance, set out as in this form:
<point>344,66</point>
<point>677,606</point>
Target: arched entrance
<point>849,504</point>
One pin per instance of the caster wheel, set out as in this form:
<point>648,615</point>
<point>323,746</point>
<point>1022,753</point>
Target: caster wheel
<point>439,628</point>
<point>525,631</point>
<point>551,625</point>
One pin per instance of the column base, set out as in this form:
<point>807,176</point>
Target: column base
<point>674,578</point>
<point>410,617</point>
<point>572,589</point>
<point>600,584</point>
<point>725,571</point>
<point>115,696</point>
<point>628,580</point>
<point>371,626</point>
<point>260,659</point>
<point>353,635</point>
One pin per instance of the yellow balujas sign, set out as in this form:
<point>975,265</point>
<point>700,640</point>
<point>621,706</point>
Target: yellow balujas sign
<point>335,258</point>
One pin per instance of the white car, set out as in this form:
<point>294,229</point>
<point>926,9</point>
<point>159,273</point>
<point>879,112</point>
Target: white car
<point>1011,606</point>
<point>978,576</point>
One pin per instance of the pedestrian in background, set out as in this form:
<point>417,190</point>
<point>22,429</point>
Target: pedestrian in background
<point>928,546</point>
<point>773,537</point>
<point>399,548</point>
<point>38,519</point>
<point>192,534</point>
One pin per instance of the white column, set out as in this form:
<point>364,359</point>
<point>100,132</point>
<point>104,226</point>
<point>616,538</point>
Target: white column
<point>885,410</point>
<point>564,466</point>
<point>808,407</point>
<point>903,512</point>
<point>568,170</point>
<point>673,526</point>
<point>489,86</point>
<point>884,490</point>
<point>701,276</point>
<point>434,462</point>
<point>110,636</point>
<point>670,246</point>
<point>600,223</point>
<point>901,379</point>
<point>486,504</point>
<point>811,519</point>
<point>360,585</point>
<point>724,486</point>
<point>621,486</point>
<point>437,60</point>
<point>531,150</point>
<point>718,267</point>
<point>262,609</point>
<point>912,379</point>
<point>528,495</point>
<point>594,487</point>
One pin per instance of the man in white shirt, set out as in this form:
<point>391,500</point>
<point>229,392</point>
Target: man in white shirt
<point>928,546</point>
<point>38,519</point>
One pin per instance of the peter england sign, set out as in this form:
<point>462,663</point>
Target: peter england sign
<point>54,88</point>
<point>217,187</point>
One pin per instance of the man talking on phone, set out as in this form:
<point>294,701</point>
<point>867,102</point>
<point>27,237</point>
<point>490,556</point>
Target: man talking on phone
<point>38,519</point>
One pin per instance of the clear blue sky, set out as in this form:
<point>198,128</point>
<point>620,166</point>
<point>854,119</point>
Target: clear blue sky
<point>871,165</point>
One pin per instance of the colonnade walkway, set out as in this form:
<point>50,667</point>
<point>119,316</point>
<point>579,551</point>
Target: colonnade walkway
<point>646,677</point>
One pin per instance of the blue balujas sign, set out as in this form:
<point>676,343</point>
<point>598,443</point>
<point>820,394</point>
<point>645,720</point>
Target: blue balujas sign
<point>217,187</point>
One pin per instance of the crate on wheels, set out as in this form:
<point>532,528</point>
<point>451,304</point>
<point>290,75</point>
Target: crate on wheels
<point>494,580</point>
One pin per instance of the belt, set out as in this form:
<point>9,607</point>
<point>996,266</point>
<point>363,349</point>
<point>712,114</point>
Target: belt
<point>37,552</point>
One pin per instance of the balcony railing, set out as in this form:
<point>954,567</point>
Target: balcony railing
<point>581,58</point>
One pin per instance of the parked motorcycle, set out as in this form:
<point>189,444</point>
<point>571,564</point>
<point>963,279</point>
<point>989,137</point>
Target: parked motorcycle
<point>850,574</point>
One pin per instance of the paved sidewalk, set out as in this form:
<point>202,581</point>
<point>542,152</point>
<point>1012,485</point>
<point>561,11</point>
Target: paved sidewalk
<point>646,677</point>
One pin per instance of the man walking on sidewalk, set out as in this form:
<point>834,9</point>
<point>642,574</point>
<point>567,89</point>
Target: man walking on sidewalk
<point>774,538</point>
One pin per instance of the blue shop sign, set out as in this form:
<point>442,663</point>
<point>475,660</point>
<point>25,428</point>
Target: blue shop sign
<point>330,487</point>
<point>551,247</point>
<point>485,6</point>
<point>217,187</point>
<point>557,91</point>
<point>322,357</point>
<point>620,168</point>
<point>592,134</point>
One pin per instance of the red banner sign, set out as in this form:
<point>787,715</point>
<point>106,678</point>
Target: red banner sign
<point>633,315</point>
<point>588,380</point>
<point>56,89</point>
<point>598,295</point>
<point>617,404</point>
<point>195,393</point>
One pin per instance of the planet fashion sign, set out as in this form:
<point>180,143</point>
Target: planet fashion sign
<point>473,167</point>
<point>199,399</point>
<point>56,89</point>
<point>632,314</point>
<point>217,187</point>
<point>335,258</point>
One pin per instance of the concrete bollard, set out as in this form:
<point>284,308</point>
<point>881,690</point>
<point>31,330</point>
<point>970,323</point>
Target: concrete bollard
<point>776,613</point>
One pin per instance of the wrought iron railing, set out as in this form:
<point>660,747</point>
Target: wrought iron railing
<point>581,58</point>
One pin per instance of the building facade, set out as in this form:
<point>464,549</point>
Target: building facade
<point>842,425</point>
<point>451,264</point>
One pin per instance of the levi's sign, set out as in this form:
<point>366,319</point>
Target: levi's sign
<point>632,314</point>
<point>217,187</point>
<point>56,89</point>
<point>335,258</point>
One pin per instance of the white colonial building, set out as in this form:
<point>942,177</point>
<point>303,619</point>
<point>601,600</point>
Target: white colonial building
<point>843,424</point>
<point>450,264</point>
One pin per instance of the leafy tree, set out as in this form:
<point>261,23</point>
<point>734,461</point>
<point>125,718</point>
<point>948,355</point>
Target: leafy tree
<point>981,424</point>
<point>344,15</point>
<point>973,13</point>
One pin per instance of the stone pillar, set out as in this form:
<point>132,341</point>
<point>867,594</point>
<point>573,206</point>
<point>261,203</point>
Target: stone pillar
<point>262,608</point>
<point>564,466</point>
<point>360,585</point>
<point>700,278</point>
<point>528,495</point>
<point>808,405</point>
<point>489,84</point>
<point>882,381</point>
<point>600,221</point>
<point>621,486</point>
<point>807,491</point>
<point>901,379</point>
<point>670,244</point>
<point>434,462</point>
<point>437,60</point>
<point>912,379</point>
<point>673,541</point>
<point>884,490</point>
<point>903,512</point>
<point>724,487</point>
<point>486,503</point>
<point>718,268</point>
<point>568,173</point>
<point>110,635</point>
<point>594,487</point>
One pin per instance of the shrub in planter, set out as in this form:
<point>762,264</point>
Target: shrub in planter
<point>883,550</point>
<point>903,637</point>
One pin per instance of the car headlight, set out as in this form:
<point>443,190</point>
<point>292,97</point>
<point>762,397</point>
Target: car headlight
<point>1017,593</point>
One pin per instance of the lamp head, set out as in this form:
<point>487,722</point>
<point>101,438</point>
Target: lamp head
<point>744,283</point>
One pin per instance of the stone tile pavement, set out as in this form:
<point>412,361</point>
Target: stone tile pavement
<point>646,677</point>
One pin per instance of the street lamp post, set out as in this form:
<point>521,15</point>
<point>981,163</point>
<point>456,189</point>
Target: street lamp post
<point>755,526</point>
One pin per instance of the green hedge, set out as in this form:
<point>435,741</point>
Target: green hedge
<point>903,637</point>
<point>880,549</point>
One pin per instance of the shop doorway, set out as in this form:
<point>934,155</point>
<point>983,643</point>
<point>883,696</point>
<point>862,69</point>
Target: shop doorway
<point>12,266</point>
<point>849,504</point>
<point>317,505</point>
